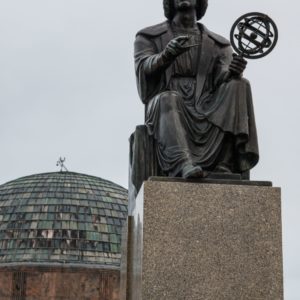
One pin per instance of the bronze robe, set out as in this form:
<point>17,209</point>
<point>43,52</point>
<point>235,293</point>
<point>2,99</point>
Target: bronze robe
<point>190,108</point>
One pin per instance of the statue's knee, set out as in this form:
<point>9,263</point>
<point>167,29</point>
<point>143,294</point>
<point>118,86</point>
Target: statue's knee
<point>169,99</point>
<point>169,96</point>
<point>244,81</point>
<point>235,82</point>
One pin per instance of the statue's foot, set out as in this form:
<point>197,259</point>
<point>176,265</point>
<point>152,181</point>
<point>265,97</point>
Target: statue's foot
<point>190,171</point>
<point>222,169</point>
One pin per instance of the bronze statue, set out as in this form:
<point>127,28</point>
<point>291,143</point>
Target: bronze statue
<point>198,107</point>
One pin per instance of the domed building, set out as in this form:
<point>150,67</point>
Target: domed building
<point>60,237</point>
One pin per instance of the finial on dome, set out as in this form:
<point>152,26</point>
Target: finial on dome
<point>60,163</point>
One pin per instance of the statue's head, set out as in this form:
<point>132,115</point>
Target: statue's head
<point>170,7</point>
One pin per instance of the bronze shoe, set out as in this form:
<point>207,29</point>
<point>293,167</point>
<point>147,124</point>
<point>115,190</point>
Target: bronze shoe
<point>191,171</point>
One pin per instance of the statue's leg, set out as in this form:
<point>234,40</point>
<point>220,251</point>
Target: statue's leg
<point>167,122</point>
<point>234,115</point>
<point>226,158</point>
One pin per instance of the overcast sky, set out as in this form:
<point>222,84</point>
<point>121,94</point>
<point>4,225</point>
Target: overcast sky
<point>67,88</point>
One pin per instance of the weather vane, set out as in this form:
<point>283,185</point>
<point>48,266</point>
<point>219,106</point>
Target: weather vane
<point>254,35</point>
<point>60,163</point>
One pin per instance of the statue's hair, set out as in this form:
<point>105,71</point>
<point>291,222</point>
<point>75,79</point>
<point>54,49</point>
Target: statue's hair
<point>169,8</point>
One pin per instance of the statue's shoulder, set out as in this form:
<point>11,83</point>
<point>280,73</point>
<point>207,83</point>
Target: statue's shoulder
<point>216,37</point>
<point>155,30</point>
<point>161,28</point>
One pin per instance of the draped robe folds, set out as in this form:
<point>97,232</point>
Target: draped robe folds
<point>190,108</point>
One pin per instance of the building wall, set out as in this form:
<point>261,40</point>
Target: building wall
<point>6,280</point>
<point>59,284</point>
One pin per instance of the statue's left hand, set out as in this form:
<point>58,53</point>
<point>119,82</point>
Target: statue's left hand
<point>238,65</point>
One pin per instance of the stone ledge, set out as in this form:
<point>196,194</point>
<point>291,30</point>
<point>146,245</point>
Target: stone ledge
<point>214,179</point>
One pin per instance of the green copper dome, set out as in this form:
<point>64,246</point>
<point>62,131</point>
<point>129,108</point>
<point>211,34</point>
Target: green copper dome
<point>61,217</point>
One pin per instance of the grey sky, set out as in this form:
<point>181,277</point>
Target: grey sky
<point>67,87</point>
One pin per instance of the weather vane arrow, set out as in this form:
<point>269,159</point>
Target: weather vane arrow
<point>61,163</point>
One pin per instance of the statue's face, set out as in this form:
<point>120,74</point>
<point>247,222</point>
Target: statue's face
<point>185,4</point>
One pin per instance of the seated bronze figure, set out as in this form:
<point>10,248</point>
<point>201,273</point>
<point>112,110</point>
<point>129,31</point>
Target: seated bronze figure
<point>198,107</point>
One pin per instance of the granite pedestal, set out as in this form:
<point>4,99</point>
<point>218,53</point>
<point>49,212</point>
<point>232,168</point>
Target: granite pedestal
<point>204,241</point>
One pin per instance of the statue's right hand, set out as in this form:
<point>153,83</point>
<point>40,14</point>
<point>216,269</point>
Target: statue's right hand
<point>176,47</point>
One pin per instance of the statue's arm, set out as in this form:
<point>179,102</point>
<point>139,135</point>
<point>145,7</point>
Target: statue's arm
<point>149,68</point>
<point>151,63</point>
<point>229,66</point>
<point>147,57</point>
<point>222,72</point>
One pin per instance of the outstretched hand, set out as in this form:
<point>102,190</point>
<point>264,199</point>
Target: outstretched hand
<point>238,65</point>
<point>176,47</point>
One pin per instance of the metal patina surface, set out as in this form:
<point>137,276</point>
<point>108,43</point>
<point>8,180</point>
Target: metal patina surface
<point>199,115</point>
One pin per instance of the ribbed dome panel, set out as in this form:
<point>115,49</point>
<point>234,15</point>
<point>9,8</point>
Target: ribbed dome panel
<point>61,217</point>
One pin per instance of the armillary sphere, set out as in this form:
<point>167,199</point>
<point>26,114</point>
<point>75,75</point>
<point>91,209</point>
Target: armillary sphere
<point>254,35</point>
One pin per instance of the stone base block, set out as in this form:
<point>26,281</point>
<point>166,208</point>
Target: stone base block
<point>199,241</point>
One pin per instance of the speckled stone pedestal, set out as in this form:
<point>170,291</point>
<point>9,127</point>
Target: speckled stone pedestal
<point>199,241</point>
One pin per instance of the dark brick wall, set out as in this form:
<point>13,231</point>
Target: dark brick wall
<point>59,284</point>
